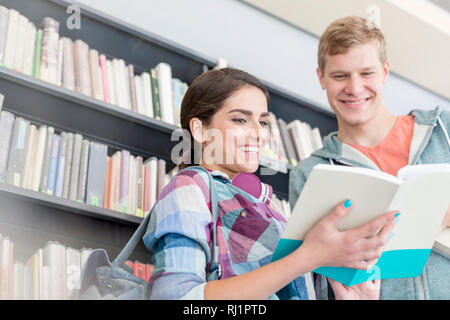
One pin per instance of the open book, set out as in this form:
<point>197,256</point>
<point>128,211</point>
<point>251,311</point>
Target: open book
<point>442,243</point>
<point>420,193</point>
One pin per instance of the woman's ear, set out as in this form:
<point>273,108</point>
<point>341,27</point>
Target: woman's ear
<point>196,127</point>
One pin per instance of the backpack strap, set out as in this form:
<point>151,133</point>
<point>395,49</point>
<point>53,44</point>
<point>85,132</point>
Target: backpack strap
<point>214,270</point>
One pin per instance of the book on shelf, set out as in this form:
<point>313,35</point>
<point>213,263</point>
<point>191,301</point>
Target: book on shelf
<point>75,170</point>
<point>82,69</point>
<point>104,77</point>
<point>67,165</point>
<point>73,64</point>
<point>420,193</point>
<point>96,77</point>
<point>17,153</point>
<point>48,70</point>
<point>11,38</point>
<point>155,94</point>
<point>164,77</point>
<point>68,67</point>
<point>82,174</point>
<point>53,168</point>
<point>96,178</point>
<point>50,273</point>
<point>107,188</point>
<point>30,155</point>
<point>6,130</point>
<point>4,15</point>
<point>2,98</point>
<point>37,53</point>
<point>19,54</point>
<point>46,161</point>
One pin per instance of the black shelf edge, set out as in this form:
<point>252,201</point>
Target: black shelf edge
<point>69,206</point>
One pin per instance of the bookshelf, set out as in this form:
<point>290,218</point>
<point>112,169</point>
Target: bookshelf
<point>42,217</point>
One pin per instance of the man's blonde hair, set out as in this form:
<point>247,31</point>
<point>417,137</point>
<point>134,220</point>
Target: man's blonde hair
<point>346,33</point>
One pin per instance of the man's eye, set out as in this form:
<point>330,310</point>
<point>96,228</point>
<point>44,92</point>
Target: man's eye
<point>339,76</point>
<point>365,74</point>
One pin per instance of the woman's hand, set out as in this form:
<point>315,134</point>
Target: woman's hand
<point>355,248</point>
<point>369,290</point>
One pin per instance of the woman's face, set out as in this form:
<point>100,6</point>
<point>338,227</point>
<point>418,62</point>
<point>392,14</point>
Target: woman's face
<point>237,133</point>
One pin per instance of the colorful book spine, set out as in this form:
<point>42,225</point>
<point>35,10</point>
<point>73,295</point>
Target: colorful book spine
<point>54,160</point>
<point>68,165</point>
<point>95,188</point>
<point>47,157</point>
<point>106,201</point>
<point>61,165</point>
<point>37,53</point>
<point>124,181</point>
<point>17,154</point>
<point>147,94</point>
<point>155,94</point>
<point>82,177</point>
<point>76,158</point>
<point>104,74</point>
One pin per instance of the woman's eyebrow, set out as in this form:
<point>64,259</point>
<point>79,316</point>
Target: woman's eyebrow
<point>248,112</point>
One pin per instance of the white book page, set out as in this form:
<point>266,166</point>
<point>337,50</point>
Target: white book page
<point>408,172</point>
<point>327,186</point>
<point>422,201</point>
<point>442,241</point>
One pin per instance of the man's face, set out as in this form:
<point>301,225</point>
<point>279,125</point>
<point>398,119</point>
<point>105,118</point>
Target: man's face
<point>354,81</point>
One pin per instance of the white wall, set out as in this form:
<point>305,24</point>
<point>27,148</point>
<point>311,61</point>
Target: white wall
<point>253,41</point>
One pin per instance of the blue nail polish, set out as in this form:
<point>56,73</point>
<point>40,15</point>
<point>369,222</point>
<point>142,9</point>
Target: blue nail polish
<point>347,203</point>
<point>396,215</point>
<point>396,220</point>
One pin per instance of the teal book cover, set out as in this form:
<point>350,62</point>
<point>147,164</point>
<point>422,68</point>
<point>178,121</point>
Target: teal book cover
<point>392,264</point>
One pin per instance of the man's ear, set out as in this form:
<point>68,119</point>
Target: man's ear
<point>196,127</point>
<point>386,69</point>
<point>321,78</point>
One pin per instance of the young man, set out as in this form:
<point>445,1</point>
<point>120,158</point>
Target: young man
<point>353,68</point>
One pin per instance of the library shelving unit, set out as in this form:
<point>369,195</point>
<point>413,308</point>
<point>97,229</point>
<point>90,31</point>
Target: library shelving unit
<point>38,217</point>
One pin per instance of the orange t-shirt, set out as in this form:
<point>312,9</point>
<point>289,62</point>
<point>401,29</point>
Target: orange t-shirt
<point>392,154</point>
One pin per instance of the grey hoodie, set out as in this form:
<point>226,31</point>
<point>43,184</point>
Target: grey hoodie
<point>430,144</point>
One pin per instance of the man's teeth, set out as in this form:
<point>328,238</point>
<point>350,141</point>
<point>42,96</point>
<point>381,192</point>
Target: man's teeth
<point>249,149</point>
<point>356,102</point>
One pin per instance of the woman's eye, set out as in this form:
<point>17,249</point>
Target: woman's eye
<point>264,123</point>
<point>239,120</point>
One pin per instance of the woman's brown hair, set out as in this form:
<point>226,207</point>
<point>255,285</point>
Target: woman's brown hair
<point>207,94</point>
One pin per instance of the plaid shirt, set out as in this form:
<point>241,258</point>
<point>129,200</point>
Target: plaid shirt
<point>180,236</point>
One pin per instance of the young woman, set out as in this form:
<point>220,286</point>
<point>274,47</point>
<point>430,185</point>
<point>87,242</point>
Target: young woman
<point>226,113</point>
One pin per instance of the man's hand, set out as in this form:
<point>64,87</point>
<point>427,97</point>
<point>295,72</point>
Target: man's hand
<point>369,290</point>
